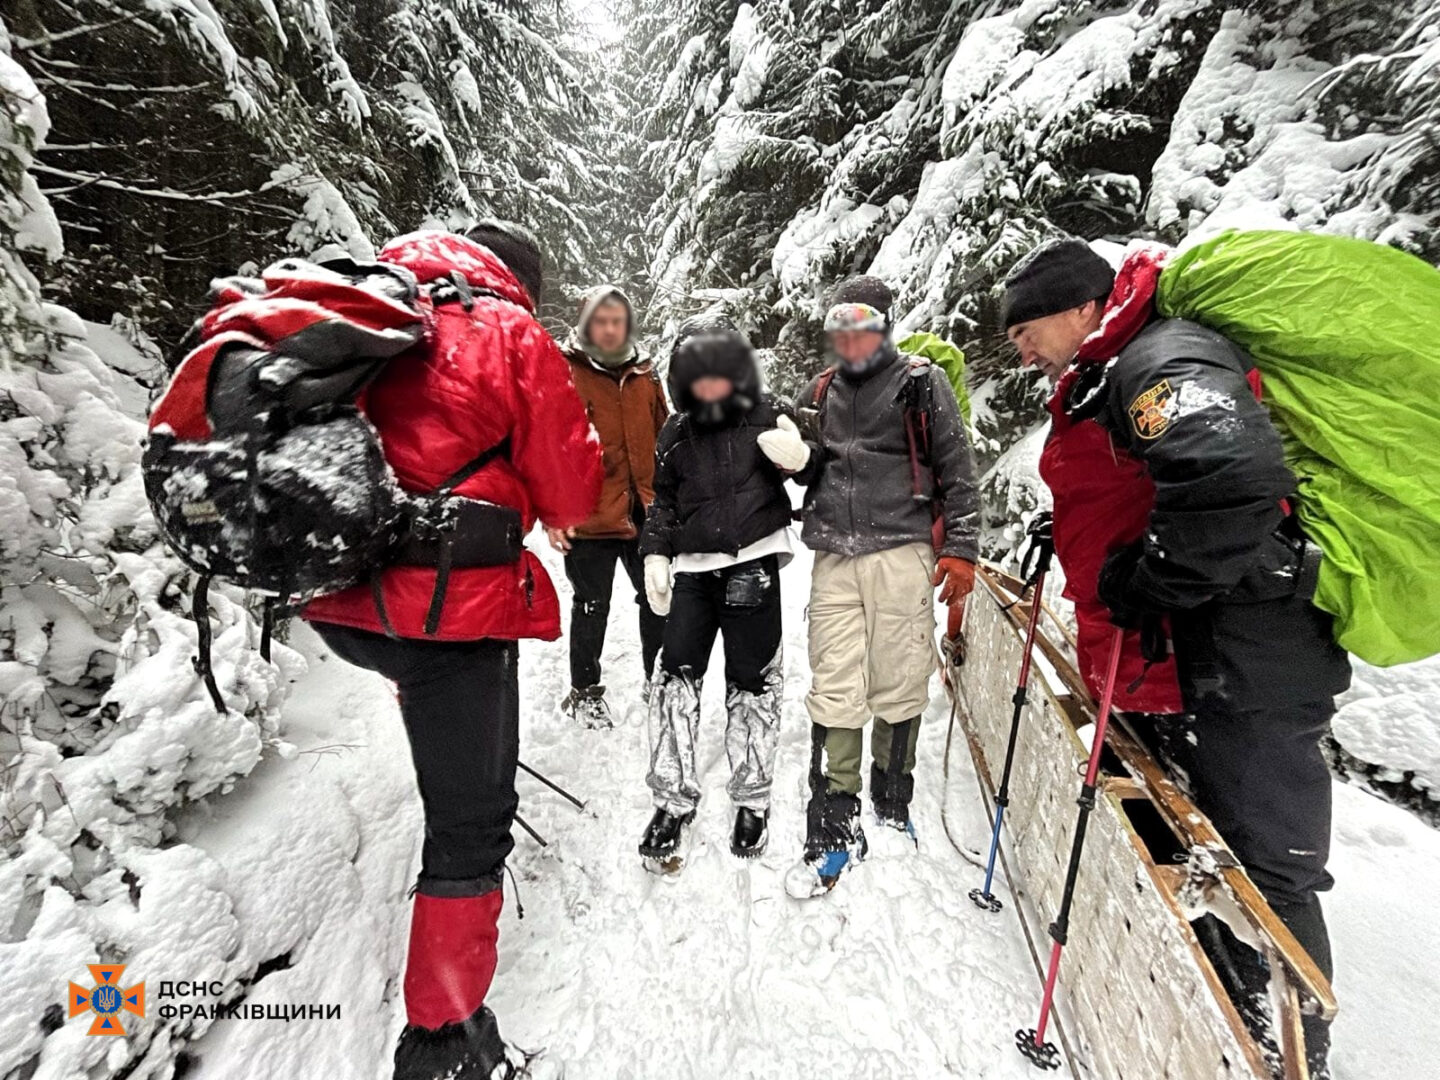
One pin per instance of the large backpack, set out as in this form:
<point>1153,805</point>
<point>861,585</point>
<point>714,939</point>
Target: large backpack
<point>1347,336</point>
<point>260,466</point>
<point>945,355</point>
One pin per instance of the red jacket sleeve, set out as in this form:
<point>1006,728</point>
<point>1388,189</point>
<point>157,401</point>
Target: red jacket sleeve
<point>552,446</point>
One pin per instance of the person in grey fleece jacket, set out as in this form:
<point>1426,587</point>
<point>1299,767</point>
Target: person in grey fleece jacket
<point>891,511</point>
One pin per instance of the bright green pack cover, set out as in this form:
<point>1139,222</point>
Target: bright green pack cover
<point>1346,334</point>
<point>949,358</point>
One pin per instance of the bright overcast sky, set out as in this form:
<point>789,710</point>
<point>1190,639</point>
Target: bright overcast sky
<point>594,18</point>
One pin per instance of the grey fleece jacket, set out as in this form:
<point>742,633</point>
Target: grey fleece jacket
<point>860,496</point>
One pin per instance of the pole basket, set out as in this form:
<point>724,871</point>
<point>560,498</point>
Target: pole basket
<point>1043,1055</point>
<point>985,901</point>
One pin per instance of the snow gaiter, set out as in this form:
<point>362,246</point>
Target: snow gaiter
<point>832,818</point>
<point>752,735</point>
<point>452,956</point>
<point>892,779</point>
<point>674,719</point>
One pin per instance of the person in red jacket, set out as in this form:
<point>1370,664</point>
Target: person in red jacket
<point>1172,520</point>
<point>486,376</point>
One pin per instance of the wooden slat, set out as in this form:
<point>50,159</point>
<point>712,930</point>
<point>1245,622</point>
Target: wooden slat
<point>1292,1031</point>
<point>1132,974</point>
<point>1190,826</point>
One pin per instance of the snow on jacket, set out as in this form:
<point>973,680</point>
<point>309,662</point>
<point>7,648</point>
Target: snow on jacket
<point>1169,446</point>
<point>627,407</point>
<point>861,495</point>
<point>715,490</point>
<point>480,377</point>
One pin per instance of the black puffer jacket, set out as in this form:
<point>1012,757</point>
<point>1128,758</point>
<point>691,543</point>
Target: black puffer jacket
<point>715,490</point>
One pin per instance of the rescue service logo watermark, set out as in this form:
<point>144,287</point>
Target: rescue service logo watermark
<point>106,999</point>
<point>1149,412</point>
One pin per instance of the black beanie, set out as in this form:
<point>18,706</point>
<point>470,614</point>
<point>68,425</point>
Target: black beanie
<point>1057,276</point>
<point>517,247</point>
<point>864,290</point>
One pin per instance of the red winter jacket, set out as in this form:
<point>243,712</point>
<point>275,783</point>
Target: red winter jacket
<point>480,376</point>
<point>1103,498</point>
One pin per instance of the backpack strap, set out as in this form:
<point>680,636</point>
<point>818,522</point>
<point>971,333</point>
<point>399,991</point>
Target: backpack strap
<point>443,564</point>
<point>473,466</point>
<point>456,289</point>
<point>916,412</point>
<point>200,611</point>
<point>822,386</point>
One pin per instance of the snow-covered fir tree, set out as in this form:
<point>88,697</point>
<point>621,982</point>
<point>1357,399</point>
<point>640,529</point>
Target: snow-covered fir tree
<point>266,127</point>
<point>934,143</point>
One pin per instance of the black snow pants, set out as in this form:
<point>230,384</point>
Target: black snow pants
<point>460,702</point>
<point>590,566</point>
<point>1262,779</point>
<point>742,603</point>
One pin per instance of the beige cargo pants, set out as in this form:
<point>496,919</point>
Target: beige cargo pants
<point>872,652</point>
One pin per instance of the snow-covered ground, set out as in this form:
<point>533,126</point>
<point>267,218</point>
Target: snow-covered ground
<point>716,972</point>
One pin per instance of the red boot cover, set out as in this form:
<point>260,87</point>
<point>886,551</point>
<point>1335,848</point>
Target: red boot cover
<point>452,956</point>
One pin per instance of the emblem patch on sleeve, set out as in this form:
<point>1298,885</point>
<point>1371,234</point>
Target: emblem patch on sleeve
<point>1150,412</point>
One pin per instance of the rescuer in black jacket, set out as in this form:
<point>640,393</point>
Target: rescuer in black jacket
<point>1214,553</point>
<point>714,541</point>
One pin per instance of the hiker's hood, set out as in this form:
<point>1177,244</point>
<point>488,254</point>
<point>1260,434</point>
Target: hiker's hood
<point>723,353</point>
<point>432,255</point>
<point>580,333</point>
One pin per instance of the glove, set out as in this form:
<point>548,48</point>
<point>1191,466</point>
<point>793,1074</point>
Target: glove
<point>1114,589</point>
<point>783,445</point>
<point>1040,548</point>
<point>956,577</point>
<point>657,583</point>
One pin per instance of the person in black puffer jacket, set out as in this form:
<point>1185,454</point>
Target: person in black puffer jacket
<point>714,541</point>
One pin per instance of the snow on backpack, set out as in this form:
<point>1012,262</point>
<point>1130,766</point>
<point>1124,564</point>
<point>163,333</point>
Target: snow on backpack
<point>1346,334</point>
<point>261,468</point>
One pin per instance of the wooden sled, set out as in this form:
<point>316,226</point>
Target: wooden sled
<point>1139,999</point>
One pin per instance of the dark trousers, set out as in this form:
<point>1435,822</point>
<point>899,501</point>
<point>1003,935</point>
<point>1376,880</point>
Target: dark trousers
<point>740,602</point>
<point>1262,779</point>
<point>590,566</point>
<point>460,702</point>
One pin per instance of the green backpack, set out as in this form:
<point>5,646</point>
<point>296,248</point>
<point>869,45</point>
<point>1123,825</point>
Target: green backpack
<point>947,357</point>
<point>1346,334</point>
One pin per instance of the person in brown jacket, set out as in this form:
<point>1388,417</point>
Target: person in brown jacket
<point>627,407</point>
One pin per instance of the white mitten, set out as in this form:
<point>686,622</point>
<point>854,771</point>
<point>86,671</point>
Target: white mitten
<point>783,445</point>
<point>657,583</point>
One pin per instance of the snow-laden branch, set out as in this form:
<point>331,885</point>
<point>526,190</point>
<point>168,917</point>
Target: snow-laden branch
<point>97,180</point>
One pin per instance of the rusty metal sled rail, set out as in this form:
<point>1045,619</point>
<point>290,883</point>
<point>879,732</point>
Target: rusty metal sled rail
<point>1139,998</point>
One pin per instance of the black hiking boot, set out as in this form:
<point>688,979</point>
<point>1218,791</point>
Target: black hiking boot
<point>587,706</point>
<point>664,840</point>
<point>470,1049</point>
<point>834,841</point>
<point>752,831</point>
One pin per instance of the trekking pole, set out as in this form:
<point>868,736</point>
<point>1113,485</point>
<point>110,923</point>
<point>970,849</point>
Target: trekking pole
<point>1031,1041</point>
<point>533,834</point>
<point>553,786</point>
<point>1042,547</point>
